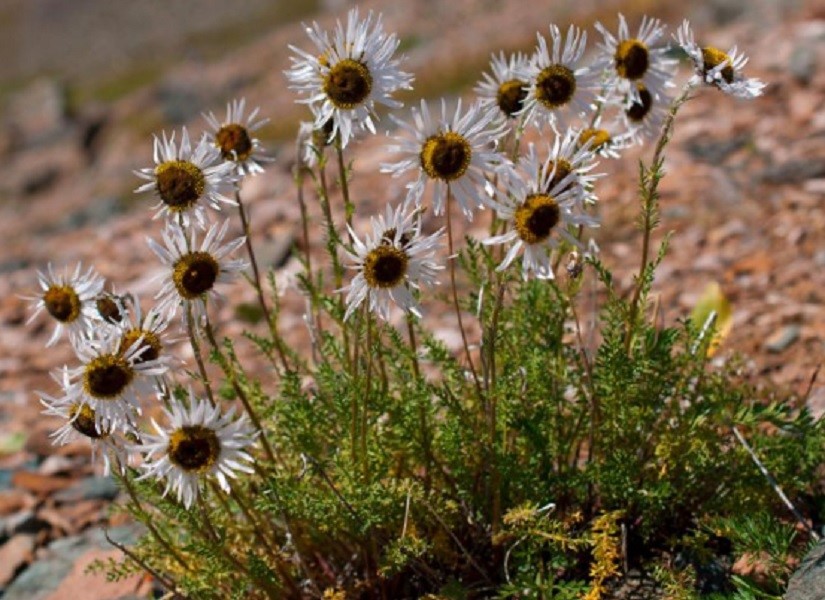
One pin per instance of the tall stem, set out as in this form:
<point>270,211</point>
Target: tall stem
<point>239,391</point>
<point>649,186</point>
<point>349,208</point>
<point>256,282</point>
<point>452,258</point>
<point>196,350</point>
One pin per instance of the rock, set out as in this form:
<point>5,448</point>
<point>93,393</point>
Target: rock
<point>180,103</point>
<point>13,500</point>
<point>97,212</point>
<point>25,521</point>
<point>63,561</point>
<point>94,586</point>
<point>14,554</point>
<point>794,171</point>
<point>90,488</point>
<point>808,582</point>
<point>802,63</point>
<point>273,253</point>
<point>35,482</point>
<point>783,338</point>
<point>38,112</point>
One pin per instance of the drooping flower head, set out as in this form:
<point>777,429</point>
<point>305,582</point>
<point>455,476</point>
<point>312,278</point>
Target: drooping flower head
<point>234,139</point>
<point>540,210</point>
<point>194,271</point>
<point>643,118</point>
<point>392,262</point>
<point>720,69</point>
<point>635,66</point>
<point>81,423</point>
<point>185,179</point>
<point>455,151</point>
<point>572,164</point>
<point>559,89</point>
<point>607,141</point>
<point>199,442</point>
<point>505,90</point>
<point>145,331</point>
<point>70,299</point>
<point>350,71</point>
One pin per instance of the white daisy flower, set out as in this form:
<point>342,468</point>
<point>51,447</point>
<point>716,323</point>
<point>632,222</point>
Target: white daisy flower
<point>69,299</point>
<point>194,272</point>
<point>81,423</point>
<point>392,262</point>
<point>456,153</point>
<point>605,142</point>
<point>147,332</point>
<point>572,164</point>
<point>505,90</point>
<point>349,72</point>
<point>541,209</point>
<point>643,118</point>
<point>184,179</point>
<point>634,61</point>
<point>717,68</point>
<point>233,138</point>
<point>559,90</point>
<point>198,442</point>
<point>110,379</point>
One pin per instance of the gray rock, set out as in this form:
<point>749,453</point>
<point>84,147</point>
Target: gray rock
<point>802,63</point>
<point>794,171</point>
<point>43,576</point>
<point>274,252</point>
<point>38,112</point>
<point>90,488</point>
<point>808,583</point>
<point>781,340</point>
<point>25,521</point>
<point>98,212</point>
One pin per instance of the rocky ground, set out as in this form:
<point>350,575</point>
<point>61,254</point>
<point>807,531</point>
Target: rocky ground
<point>744,197</point>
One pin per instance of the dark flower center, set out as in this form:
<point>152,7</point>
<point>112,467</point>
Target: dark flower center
<point>640,108</point>
<point>194,448</point>
<point>194,274</point>
<point>385,267</point>
<point>179,183</point>
<point>348,83</point>
<point>83,420</point>
<point>62,302</point>
<point>535,219</point>
<point>446,156</point>
<point>108,308</point>
<point>106,376</point>
<point>632,59</point>
<point>233,142</point>
<point>510,96</point>
<point>555,86</point>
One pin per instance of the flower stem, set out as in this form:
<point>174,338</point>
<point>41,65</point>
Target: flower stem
<point>239,391</point>
<point>256,282</point>
<point>452,259</point>
<point>196,350</point>
<point>649,185</point>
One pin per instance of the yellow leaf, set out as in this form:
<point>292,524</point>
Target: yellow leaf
<point>713,303</point>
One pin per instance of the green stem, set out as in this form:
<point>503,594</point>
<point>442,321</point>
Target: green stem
<point>196,350</point>
<point>650,185</point>
<point>452,259</point>
<point>239,391</point>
